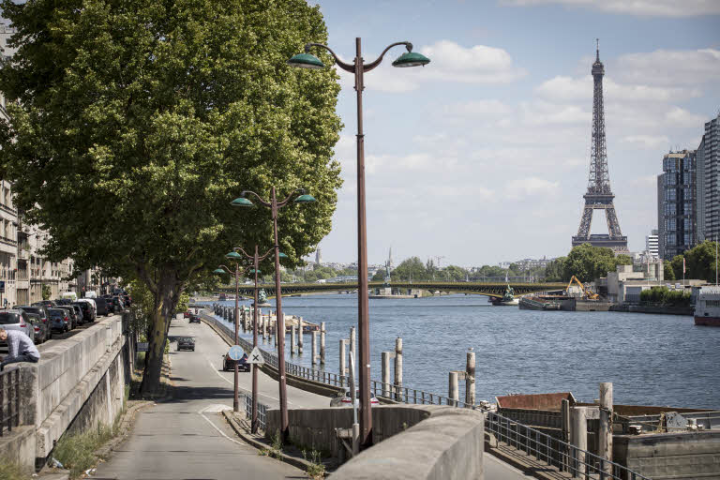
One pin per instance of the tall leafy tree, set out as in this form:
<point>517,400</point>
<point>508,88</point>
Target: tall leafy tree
<point>589,263</point>
<point>701,261</point>
<point>134,123</point>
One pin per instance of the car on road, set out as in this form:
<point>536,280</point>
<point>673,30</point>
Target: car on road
<point>59,320</point>
<point>87,310</point>
<point>187,314</point>
<point>41,329</point>
<point>70,312</point>
<point>40,311</point>
<point>229,363</point>
<point>15,319</point>
<point>118,304</point>
<point>102,306</point>
<point>195,318</point>
<point>186,343</point>
<point>344,400</point>
<point>79,312</point>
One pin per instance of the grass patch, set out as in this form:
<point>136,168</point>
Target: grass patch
<point>12,471</point>
<point>77,451</point>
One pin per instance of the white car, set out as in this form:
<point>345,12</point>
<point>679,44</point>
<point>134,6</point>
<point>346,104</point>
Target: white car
<point>90,301</point>
<point>344,400</point>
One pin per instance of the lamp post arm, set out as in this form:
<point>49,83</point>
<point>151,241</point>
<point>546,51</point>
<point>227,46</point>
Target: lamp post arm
<point>243,251</point>
<point>374,64</point>
<point>263,257</point>
<point>226,269</point>
<point>348,67</point>
<point>261,200</point>
<point>287,199</point>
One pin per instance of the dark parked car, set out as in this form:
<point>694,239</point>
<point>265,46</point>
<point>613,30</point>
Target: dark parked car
<point>70,312</point>
<point>128,299</point>
<point>60,320</point>
<point>102,306</point>
<point>186,343</point>
<point>87,311</point>
<point>40,328</point>
<point>195,318</point>
<point>229,364</point>
<point>45,303</point>
<point>62,301</point>
<point>118,304</point>
<point>42,313</point>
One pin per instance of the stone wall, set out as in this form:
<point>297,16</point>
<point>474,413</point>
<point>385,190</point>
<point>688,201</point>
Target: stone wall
<point>685,455</point>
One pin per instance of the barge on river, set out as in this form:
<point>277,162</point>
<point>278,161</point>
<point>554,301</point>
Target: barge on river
<point>707,306</point>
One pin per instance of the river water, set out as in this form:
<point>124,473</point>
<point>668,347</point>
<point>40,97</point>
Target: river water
<point>651,359</point>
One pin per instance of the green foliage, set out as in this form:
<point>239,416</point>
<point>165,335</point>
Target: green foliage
<point>668,271</point>
<point>157,115</point>
<point>12,471</point>
<point>46,292</point>
<point>677,267</point>
<point>555,271</point>
<point>665,296</point>
<point>701,261</point>
<point>589,263</point>
<point>76,451</point>
<point>316,469</point>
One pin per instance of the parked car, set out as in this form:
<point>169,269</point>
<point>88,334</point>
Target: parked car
<point>87,308</point>
<point>118,304</point>
<point>79,313</point>
<point>40,311</point>
<point>15,319</point>
<point>186,343</point>
<point>62,301</point>
<point>70,312</point>
<point>128,299</point>
<point>60,320</point>
<point>45,303</point>
<point>41,330</point>
<point>195,318</point>
<point>187,314</point>
<point>102,307</point>
<point>229,363</point>
<point>344,400</point>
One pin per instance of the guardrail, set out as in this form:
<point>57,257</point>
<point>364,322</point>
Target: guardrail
<point>9,400</point>
<point>552,451</point>
<point>262,412</point>
<point>545,448</point>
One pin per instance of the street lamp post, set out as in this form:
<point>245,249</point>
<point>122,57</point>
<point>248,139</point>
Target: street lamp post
<point>256,259</point>
<point>299,196</point>
<point>236,272</point>
<point>358,68</point>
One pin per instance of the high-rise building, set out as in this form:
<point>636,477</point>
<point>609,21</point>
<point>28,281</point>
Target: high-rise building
<point>676,204</point>
<point>700,192</point>
<point>651,244</point>
<point>711,181</point>
<point>318,257</point>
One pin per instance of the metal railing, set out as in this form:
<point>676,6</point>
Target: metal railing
<point>262,412</point>
<point>553,451</point>
<point>9,399</point>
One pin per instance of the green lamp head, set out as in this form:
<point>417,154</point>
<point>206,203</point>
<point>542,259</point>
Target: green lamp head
<point>219,271</point>
<point>411,59</point>
<point>306,60</point>
<point>253,271</point>
<point>233,256</point>
<point>305,198</point>
<point>242,202</point>
<point>282,255</point>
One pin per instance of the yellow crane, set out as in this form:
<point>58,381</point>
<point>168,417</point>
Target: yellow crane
<point>588,294</point>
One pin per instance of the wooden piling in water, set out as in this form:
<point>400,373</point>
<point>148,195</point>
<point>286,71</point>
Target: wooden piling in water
<point>322,343</point>
<point>578,434</point>
<point>605,434</point>
<point>292,340</point>
<point>470,378</point>
<point>398,369</point>
<point>385,374</point>
<point>314,348</point>
<point>453,394</point>
<point>300,336</point>
<point>342,362</point>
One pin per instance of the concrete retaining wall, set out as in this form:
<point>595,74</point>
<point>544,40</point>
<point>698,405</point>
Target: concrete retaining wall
<point>670,455</point>
<point>86,370</point>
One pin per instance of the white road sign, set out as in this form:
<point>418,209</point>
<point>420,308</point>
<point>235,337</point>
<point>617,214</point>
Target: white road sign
<point>256,357</point>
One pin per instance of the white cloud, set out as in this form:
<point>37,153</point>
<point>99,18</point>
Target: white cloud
<point>530,186</point>
<point>479,109</point>
<point>671,67</point>
<point>659,8</point>
<point>568,89</point>
<point>652,142</point>
<point>478,64</point>
<point>680,117</point>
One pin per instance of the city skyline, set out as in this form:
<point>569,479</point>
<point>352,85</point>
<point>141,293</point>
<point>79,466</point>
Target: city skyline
<point>482,156</point>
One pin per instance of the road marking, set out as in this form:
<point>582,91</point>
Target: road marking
<point>217,428</point>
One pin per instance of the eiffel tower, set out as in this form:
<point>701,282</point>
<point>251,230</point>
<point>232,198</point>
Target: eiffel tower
<point>599,196</point>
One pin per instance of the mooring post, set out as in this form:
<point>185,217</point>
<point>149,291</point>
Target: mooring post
<point>605,435</point>
<point>342,362</point>
<point>386,374</point>
<point>453,395</point>
<point>322,343</point>
<point>300,335</point>
<point>470,378</point>
<point>398,369</point>
<point>292,340</point>
<point>578,433</point>
<point>314,348</point>
<point>565,432</point>
<point>352,342</point>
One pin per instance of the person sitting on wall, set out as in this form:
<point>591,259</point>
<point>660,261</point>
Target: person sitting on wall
<point>20,348</point>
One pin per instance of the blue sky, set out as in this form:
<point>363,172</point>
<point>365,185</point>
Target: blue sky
<point>482,156</point>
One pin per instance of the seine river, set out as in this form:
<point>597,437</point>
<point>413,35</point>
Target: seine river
<point>651,359</point>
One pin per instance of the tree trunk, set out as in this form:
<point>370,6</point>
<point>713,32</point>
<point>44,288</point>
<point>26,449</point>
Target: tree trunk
<point>166,293</point>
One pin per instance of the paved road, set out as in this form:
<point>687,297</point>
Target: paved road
<point>186,437</point>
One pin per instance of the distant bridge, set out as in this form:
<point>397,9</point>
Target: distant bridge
<point>491,289</point>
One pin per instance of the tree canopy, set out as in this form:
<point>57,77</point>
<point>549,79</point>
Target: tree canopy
<point>699,263</point>
<point>134,124</point>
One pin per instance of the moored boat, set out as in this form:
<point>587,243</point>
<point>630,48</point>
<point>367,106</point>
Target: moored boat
<point>707,306</point>
<point>508,299</point>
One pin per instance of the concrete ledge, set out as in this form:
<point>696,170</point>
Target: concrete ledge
<point>18,446</point>
<point>447,445</point>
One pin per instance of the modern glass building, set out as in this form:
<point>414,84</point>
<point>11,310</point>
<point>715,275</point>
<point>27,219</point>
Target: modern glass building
<point>676,204</point>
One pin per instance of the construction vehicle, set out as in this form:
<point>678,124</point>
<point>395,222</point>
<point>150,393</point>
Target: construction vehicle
<point>587,294</point>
